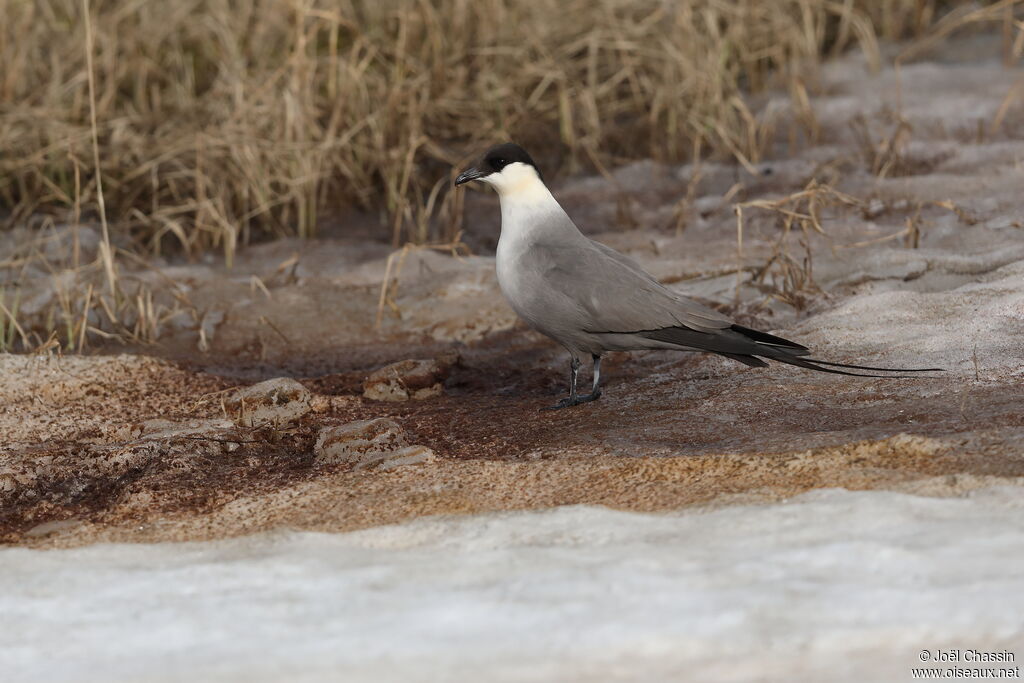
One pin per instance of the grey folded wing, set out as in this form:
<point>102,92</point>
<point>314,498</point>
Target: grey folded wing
<point>614,294</point>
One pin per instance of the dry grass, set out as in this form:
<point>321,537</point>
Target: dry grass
<point>87,294</point>
<point>220,121</point>
<point>787,275</point>
<point>206,124</point>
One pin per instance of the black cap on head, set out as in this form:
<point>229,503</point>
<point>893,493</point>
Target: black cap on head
<point>495,159</point>
<point>500,156</point>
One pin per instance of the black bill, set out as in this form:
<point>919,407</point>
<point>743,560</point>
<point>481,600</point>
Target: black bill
<point>469,174</point>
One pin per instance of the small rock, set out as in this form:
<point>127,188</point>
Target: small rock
<point>350,442</point>
<point>273,402</point>
<point>369,444</point>
<point>47,528</point>
<point>320,404</point>
<point>159,428</point>
<point>407,380</point>
<point>410,455</point>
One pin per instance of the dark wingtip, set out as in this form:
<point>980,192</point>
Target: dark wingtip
<point>789,347</point>
<point>769,339</point>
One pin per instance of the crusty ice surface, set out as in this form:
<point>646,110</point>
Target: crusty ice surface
<point>832,585</point>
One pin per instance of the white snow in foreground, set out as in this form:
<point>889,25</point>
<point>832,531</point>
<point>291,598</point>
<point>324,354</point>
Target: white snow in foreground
<point>833,585</point>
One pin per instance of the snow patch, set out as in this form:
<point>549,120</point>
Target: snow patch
<point>833,585</point>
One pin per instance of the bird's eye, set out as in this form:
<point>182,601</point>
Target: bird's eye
<point>500,163</point>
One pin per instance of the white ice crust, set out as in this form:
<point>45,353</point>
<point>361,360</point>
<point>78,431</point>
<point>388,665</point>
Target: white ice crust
<point>831,585</point>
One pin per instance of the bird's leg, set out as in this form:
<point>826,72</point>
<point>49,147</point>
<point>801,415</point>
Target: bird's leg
<point>595,391</point>
<point>575,399</point>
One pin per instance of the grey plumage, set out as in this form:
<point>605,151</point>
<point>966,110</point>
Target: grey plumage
<point>592,299</point>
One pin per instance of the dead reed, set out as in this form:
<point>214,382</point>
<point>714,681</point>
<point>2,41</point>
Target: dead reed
<point>787,274</point>
<point>219,121</point>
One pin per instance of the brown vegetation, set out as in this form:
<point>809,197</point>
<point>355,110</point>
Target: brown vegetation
<point>219,120</point>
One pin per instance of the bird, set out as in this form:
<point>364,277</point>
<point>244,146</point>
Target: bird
<point>592,299</point>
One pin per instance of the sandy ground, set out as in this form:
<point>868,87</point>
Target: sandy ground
<point>79,463</point>
<point>676,525</point>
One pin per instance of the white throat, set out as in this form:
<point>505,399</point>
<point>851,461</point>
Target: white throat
<point>518,182</point>
<point>524,197</point>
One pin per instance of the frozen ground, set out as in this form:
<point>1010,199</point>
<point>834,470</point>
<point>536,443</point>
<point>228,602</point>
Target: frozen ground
<point>832,585</point>
<point>681,551</point>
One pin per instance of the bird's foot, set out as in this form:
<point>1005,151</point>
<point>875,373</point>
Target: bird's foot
<point>570,401</point>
